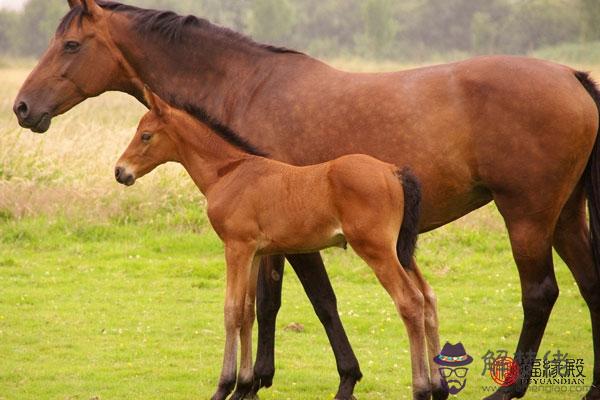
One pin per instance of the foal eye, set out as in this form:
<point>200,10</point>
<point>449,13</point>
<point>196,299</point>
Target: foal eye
<point>146,137</point>
<point>71,46</point>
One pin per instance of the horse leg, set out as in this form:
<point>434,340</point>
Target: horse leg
<point>314,279</point>
<point>268,302</point>
<point>239,265</point>
<point>438,389</point>
<point>245,376</point>
<point>572,242</point>
<point>531,241</point>
<point>409,303</point>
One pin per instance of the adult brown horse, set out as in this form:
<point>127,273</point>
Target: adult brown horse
<point>514,130</point>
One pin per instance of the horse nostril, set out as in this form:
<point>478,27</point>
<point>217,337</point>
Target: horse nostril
<point>118,172</point>
<point>22,110</point>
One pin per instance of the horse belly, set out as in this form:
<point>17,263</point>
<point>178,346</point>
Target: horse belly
<point>303,239</point>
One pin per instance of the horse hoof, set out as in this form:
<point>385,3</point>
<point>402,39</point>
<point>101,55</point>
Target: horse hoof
<point>440,393</point>
<point>349,398</point>
<point>251,396</point>
<point>592,394</point>
<point>499,396</point>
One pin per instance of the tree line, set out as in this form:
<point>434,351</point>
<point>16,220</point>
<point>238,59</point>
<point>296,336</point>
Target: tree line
<point>392,29</point>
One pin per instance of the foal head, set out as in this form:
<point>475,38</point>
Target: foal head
<point>154,143</point>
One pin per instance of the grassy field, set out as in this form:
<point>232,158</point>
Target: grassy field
<point>109,292</point>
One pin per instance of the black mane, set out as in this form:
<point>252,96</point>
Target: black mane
<point>173,27</point>
<point>225,132</point>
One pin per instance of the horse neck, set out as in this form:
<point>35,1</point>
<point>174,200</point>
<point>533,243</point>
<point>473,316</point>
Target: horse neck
<point>203,153</point>
<point>212,73</point>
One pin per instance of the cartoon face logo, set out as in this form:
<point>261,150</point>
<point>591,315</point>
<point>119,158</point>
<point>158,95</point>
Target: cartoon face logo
<point>452,360</point>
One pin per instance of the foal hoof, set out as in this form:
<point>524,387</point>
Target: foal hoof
<point>422,395</point>
<point>251,396</point>
<point>347,398</point>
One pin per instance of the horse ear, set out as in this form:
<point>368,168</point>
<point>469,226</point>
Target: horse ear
<point>89,6</point>
<point>155,104</point>
<point>73,3</point>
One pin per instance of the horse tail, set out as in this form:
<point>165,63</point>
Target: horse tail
<point>591,176</point>
<point>407,239</point>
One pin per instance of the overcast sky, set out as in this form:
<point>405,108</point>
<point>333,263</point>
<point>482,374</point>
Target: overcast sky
<point>12,4</point>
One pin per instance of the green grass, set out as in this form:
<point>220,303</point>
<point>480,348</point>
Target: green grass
<point>134,310</point>
<point>116,293</point>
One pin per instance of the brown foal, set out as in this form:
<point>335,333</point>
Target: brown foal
<point>355,199</point>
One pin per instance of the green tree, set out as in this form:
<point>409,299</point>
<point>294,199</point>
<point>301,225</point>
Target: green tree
<point>8,23</point>
<point>380,27</point>
<point>272,21</point>
<point>38,24</point>
<point>590,17</point>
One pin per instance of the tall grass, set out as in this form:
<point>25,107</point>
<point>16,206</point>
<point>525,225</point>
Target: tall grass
<point>69,170</point>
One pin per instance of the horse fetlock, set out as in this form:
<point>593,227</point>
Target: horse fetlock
<point>263,378</point>
<point>439,393</point>
<point>347,383</point>
<point>422,394</point>
<point>224,389</point>
<point>243,390</point>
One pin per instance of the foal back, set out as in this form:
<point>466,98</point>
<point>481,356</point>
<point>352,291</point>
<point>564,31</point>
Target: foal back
<point>319,206</point>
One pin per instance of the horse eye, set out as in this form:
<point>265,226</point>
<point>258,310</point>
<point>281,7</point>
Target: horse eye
<point>146,137</point>
<point>71,46</point>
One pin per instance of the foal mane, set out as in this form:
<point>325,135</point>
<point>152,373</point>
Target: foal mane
<point>171,26</point>
<point>225,132</point>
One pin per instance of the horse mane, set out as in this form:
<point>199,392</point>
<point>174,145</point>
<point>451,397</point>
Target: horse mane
<point>173,27</point>
<point>225,132</point>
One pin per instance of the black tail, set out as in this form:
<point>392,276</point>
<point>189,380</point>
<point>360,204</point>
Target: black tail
<point>591,176</point>
<point>407,240</point>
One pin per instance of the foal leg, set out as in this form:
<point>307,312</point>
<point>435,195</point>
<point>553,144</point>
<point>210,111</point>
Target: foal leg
<point>531,240</point>
<point>438,389</point>
<point>409,303</point>
<point>314,279</point>
<point>245,376</point>
<point>571,241</point>
<point>239,258</point>
<point>268,302</point>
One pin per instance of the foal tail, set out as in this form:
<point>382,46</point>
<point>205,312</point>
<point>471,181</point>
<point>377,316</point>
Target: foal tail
<point>407,240</point>
<point>591,176</point>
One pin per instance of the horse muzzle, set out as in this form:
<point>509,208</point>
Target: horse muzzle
<point>124,177</point>
<point>37,122</point>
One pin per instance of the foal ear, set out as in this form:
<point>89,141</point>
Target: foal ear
<point>154,102</point>
<point>73,3</point>
<point>89,6</point>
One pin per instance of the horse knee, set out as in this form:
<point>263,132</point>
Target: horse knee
<point>590,291</point>
<point>539,300</point>
<point>233,318</point>
<point>326,309</point>
<point>430,307</point>
<point>411,307</point>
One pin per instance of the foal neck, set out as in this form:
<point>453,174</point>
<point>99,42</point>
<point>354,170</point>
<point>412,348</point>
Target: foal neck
<point>203,153</point>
